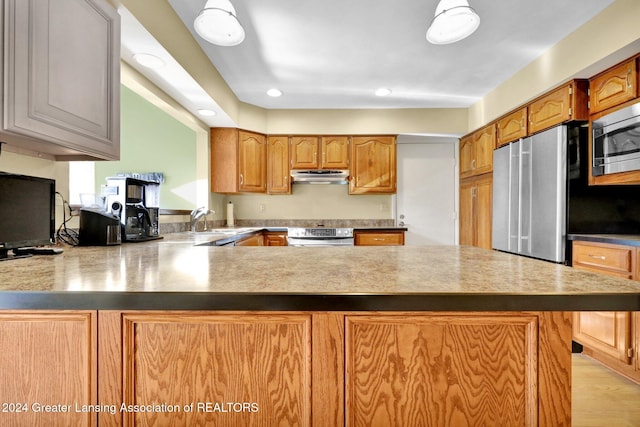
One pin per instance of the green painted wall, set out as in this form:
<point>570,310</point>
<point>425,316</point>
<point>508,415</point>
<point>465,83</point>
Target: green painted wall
<point>153,141</point>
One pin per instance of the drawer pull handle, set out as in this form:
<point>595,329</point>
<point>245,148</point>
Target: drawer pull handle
<point>379,239</point>
<point>602,257</point>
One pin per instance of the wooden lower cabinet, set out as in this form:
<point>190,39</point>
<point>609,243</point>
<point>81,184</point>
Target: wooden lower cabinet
<point>612,337</point>
<point>253,240</point>
<point>48,362</point>
<point>475,211</point>
<point>378,238</point>
<point>275,238</point>
<point>337,369</point>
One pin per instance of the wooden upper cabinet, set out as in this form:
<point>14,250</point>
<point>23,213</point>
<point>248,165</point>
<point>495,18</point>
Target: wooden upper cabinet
<point>476,152</point>
<point>278,178</point>
<point>252,154</point>
<point>312,152</point>
<point>62,66</point>
<point>238,161</point>
<point>373,165</point>
<point>335,152</point>
<point>566,103</point>
<point>512,127</point>
<point>304,152</point>
<point>614,86</point>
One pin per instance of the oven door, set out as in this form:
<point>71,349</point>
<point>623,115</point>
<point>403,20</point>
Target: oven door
<point>320,242</point>
<point>616,142</point>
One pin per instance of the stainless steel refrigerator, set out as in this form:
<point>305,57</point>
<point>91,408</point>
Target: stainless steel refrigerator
<point>530,196</point>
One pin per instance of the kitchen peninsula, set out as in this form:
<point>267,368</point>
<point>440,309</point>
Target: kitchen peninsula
<point>147,332</point>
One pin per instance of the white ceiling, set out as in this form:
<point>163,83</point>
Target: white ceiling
<point>336,53</point>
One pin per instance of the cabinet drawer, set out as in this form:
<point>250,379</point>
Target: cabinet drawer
<point>606,258</point>
<point>391,238</point>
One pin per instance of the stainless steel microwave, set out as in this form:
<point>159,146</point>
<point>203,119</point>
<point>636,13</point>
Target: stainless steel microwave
<point>616,141</point>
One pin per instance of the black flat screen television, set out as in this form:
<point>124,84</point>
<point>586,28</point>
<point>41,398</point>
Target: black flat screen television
<point>27,212</point>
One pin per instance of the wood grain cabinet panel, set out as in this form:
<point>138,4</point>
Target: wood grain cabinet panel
<point>275,238</point>
<point>278,177</point>
<point>614,86</point>
<point>252,154</point>
<point>237,369</point>
<point>238,161</point>
<point>476,152</point>
<point>566,103</point>
<point>609,336</point>
<point>335,152</point>
<point>475,211</point>
<point>615,260</point>
<point>379,238</point>
<point>48,358</point>
<point>62,77</point>
<point>444,370</point>
<point>512,127</point>
<point>304,152</point>
<point>606,331</point>
<point>373,165</point>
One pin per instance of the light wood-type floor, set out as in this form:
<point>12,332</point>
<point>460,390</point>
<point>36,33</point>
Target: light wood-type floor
<point>601,397</point>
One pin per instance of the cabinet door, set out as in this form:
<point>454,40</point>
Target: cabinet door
<point>466,156</point>
<point>255,240</point>
<point>373,165</point>
<point>335,152</point>
<point>614,86</point>
<point>483,208</point>
<point>484,142</point>
<point>62,76</point>
<point>278,178</point>
<point>224,160</point>
<point>252,150</point>
<point>550,110</point>
<point>475,211</point>
<point>49,358</point>
<point>443,370</point>
<point>236,369</point>
<point>304,152</point>
<point>512,127</point>
<point>275,238</point>
<point>466,217</point>
<point>606,331</point>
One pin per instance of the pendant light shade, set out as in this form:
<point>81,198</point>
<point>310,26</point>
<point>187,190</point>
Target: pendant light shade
<point>454,20</point>
<point>217,23</point>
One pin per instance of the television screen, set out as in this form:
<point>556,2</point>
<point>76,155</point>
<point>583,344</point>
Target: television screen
<point>27,211</point>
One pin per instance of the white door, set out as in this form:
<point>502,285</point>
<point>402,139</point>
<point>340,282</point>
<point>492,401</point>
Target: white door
<point>427,192</point>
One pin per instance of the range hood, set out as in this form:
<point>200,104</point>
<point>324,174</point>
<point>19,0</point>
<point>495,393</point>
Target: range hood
<point>320,176</point>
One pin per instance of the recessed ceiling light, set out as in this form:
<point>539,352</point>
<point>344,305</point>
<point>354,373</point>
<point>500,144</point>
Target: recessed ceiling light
<point>206,113</point>
<point>274,92</point>
<point>148,60</point>
<point>383,91</point>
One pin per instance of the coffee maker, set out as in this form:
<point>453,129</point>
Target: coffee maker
<point>139,202</point>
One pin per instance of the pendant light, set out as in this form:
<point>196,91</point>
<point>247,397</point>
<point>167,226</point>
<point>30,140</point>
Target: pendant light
<point>217,23</point>
<point>453,21</point>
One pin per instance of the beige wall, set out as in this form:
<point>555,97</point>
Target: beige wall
<point>608,38</point>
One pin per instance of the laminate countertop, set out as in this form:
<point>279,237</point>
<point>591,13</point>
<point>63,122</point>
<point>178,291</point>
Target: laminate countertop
<point>179,273</point>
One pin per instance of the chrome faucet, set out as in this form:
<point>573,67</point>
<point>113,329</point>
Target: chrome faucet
<point>198,213</point>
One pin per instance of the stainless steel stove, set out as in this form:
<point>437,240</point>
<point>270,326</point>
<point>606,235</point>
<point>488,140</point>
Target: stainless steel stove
<point>320,236</point>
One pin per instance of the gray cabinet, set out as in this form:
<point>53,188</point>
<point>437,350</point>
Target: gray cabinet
<point>61,77</point>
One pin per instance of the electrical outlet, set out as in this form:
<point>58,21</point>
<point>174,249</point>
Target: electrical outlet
<point>262,208</point>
